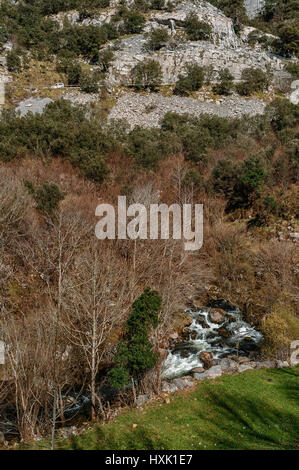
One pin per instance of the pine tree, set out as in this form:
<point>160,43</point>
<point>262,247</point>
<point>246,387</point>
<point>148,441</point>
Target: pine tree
<point>135,355</point>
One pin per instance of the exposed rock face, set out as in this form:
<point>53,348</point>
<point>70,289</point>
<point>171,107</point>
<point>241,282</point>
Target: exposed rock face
<point>203,53</point>
<point>148,110</point>
<point>222,27</point>
<point>33,105</point>
<point>294,96</point>
<point>224,49</point>
<point>253,7</point>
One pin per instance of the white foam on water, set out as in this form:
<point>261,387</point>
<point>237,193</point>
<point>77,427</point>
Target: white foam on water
<point>182,360</point>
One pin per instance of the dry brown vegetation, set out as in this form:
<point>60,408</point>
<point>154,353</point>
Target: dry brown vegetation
<point>65,295</point>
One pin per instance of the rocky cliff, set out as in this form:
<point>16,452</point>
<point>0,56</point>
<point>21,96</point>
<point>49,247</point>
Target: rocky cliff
<point>225,49</point>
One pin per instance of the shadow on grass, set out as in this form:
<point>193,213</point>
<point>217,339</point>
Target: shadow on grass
<point>252,425</point>
<point>258,418</point>
<point>139,439</point>
<point>245,412</point>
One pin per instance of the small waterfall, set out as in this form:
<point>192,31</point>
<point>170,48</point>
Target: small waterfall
<point>231,336</point>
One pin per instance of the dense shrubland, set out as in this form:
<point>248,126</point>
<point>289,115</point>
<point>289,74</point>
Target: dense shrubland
<point>73,309</point>
<point>87,141</point>
<point>58,283</point>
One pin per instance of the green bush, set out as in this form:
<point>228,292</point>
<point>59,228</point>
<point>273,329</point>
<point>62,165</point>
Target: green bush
<point>105,58</point>
<point>71,132</point>
<point>192,81</point>
<point>194,179</point>
<point>142,5</point>
<point>194,136</point>
<point>13,62</point>
<point>72,69</point>
<point>197,30</point>
<point>288,43</point>
<point>232,8</point>
<point>225,86</point>
<point>92,163</point>
<point>157,39</point>
<point>224,177</point>
<point>246,189</point>
<point>47,197</point>
<point>132,21</point>
<point>148,146</point>
<point>253,80</point>
<point>135,352</point>
<point>157,4</point>
<point>282,114</point>
<point>146,74</point>
<point>293,69</point>
<point>89,82</point>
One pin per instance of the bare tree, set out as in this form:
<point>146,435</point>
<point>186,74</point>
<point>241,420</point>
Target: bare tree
<point>97,303</point>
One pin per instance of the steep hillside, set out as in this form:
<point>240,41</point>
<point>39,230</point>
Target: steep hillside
<point>161,102</point>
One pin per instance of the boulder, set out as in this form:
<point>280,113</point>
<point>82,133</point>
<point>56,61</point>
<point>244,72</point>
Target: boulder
<point>247,344</point>
<point>186,333</point>
<point>294,97</point>
<point>200,377</point>
<point>168,387</point>
<point>189,380</point>
<point>265,365</point>
<point>228,365</point>
<point>243,359</point>
<point>214,372</point>
<point>234,357</point>
<point>201,319</point>
<point>244,367</point>
<point>197,370</point>
<point>141,400</point>
<point>224,332</point>
<point>211,373</point>
<point>180,321</point>
<point>206,358</point>
<point>180,383</point>
<point>281,364</point>
<point>217,315</point>
<point>295,85</point>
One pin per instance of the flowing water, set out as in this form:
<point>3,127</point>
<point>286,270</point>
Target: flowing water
<point>204,335</point>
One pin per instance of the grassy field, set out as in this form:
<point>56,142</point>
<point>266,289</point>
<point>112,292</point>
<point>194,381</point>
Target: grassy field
<point>253,410</point>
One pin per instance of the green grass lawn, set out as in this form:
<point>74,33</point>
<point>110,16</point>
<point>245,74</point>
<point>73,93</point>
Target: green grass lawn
<point>253,410</point>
